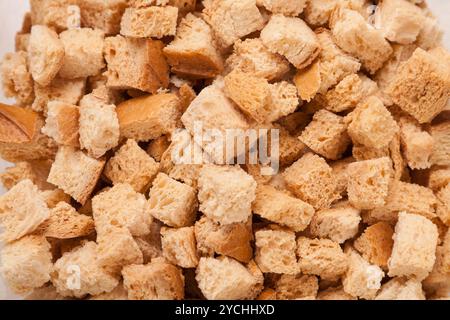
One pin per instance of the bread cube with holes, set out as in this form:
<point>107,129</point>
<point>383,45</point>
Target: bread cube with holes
<point>62,123</point>
<point>438,177</point>
<point>179,246</point>
<point>17,81</point>
<point>53,13</point>
<point>149,22</point>
<point>417,144</point>
<point>401,289</point>
<point>172,202</point>
<point>103,15</point>
<point>443,206</point>
<point>288,8</point>
<point>441,148</point>
<point>317,13</point>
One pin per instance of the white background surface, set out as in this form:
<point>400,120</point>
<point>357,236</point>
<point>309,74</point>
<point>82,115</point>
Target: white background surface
<point>12,11</point>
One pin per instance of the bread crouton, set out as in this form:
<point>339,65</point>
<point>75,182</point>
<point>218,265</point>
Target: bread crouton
<point>340,173</point>
<point>157,280</point>
<point>52,13</point>
<point>226,194</point>
<point>414,251</point>
<point>179,246</point>
<point>45,54</point>
<point>75,173</point>
<point>22,210</point>
<point>284,98</point>
<point>17,81</point>
<point>157,147</point>
<point>318,12</point>
<point>55,196</point>
<point>292,38</point>
<point>293,287</point>
<point>336,293</point>
<point>36,171</point>
<point>26,263</point>
<point>438,279</point>
<point>62,123</point>
<point>441,147</point>
<point>417,144</point>
<point>226,279</point>
<point>401,289</point>
<point>103,15</point>
<point>286,7</point>
<point>443,206</point>
<point>119,293</point>
<point>431,34</point>
<point>155,22</point>
<point>438,178</point>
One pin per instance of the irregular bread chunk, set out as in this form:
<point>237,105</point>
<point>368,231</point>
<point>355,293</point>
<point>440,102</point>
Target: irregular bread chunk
<point>103,15</point>
<point>62,123</point>
<point>443,206</point>
<point>441,144</point>
<point>401,289</point>
<point>179,246</point>
<point>417,144</point>
<point>154,22</point>
<point>293,287</point>
<point>17,81</point>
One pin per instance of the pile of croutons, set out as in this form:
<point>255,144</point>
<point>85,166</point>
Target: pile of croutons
<point>108,91</point>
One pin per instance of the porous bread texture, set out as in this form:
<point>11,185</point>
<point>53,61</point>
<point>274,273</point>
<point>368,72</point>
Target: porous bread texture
<point>401,289</point>
<point>294,287</point>
<point>52,13</point>
<point>417,144</point>
<point>226,279</point>
<point>334,293</point>
<point>318,12</point>
<point>62,123</point>
<point>226,193</point>
<point>443,206</point>
<point>22,210</point>
<point>17,81</point>
<point>26,263</point>
<point>36,171</point>
<point>179,246</point>
<point>438,177</point>
<point>103,15</point>
<point>285,7</point>
<point>441,144</point>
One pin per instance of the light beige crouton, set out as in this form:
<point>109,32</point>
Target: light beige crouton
<point>75,173</point>
<point>65,222</point>
<point>146,71</point>
<point>119,293</point>
<point>431,34</point>
<point>155,22</point>
<point>356,36</point>
<point>290,147</point>
<point>83,53</point>
<point>443,206</point>
<point>334,294</point>
<point>311,179</point>
<point>417,144</point>
<point>55,196</point>
<point>285,7</point>
<point>292,38</point>
<point>441,148</point>
<point>26,263</point>
<point>362,280</point>
<point>103,15</point>
<point>226,194</point>
<point>321,257</point>
<point>340,173</point>
<point>399,20</point>
<point>284,100</point>
<point>78,273</point>
<point>157,280</point>
<point>45,54</point>
<point>64,90</point>
<point>414,251</point>
<point>439,278</point>
<point>226,279</point>
<point>371,124</point>
<point>62,123</point>
<point>232,240</point>
<point>318,12</point>
<point>281,208</point>
<point>326,135</point>
<point>52,13</point>
<point>251,56</point>
<point>438,177</point>
<point>401,289</point>
<point>132,165</point>
<point>179,246</point>
<point>150,244</point>
<point>172,202</point>
<point>157,147</point>
<point>338,224</point>
<point>232,20</point>
<point>44,293</point>
<point>22,210</point>
<point>149,117</point>
<point>121,206</point>
<point>22,41</point>
<point>421,86</point>
<point>17,81</point>
<point>368,182</point>
<point>275,251</point>
<point>294,287</point>
<point>193,52</point>
<point>375,244</point>
<point>36,171</point>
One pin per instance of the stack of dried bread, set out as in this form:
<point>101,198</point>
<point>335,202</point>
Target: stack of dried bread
<point>97,208</point>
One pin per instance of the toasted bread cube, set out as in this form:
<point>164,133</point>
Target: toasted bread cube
<point>284,100</point>
<point>292,38</point>
<point>36,171</point>
<point>232,240</point>
<point>119,293</point>
<point>155,22</point>
<point>287,8</point>
<point>46,54</point>
<point>368,182</point>
<point>149,117</point>
<point>232,20</point>
<point>17,81</point>
<point>414,251</point>
<point>55,196</point>
<point>438,279</point>
<point>441,147</point>
<point>226,194</point>
<point>179,246</point>
<point>147,70</point>
<point>78,273</point>
<point>52,13</point>
<point>132,165</point>
<point>226,279</point>
<point>75,173</point>
<point>172,202</point>
<point>26,263</point>
<point>362,280</point>
<point>103,15</point>
<point>121,206</point>
<point>338,224</point>
<point>421,86</point>
<point>417,144</point>
<point>293,287</point>
<point>443,206</point>
<point>321,257</point>
<point>375,244</point>
<point>281,208</point>
<point>150,244</point>
<point>157,280</point>
<point>275,251</point>
<point>311,179</point>
<point>356,36</point>
<point>99,126</point>
<point>193,52</point>
<point>318,12</point>
<point>62,123</point>
<point>22,210</point>
<point>157,147</point>
<point>251,56</point>
<point>337,293</point>
<point>64,90</point>
<point>65,222</point>
<point>431,34</point>
<point>326,135</point>
<point>401,289</point>
<point>438,178</point>
<point>340,173</point>
<point>371,124</point>
<point>290,147</point>
<point>399,20</point>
